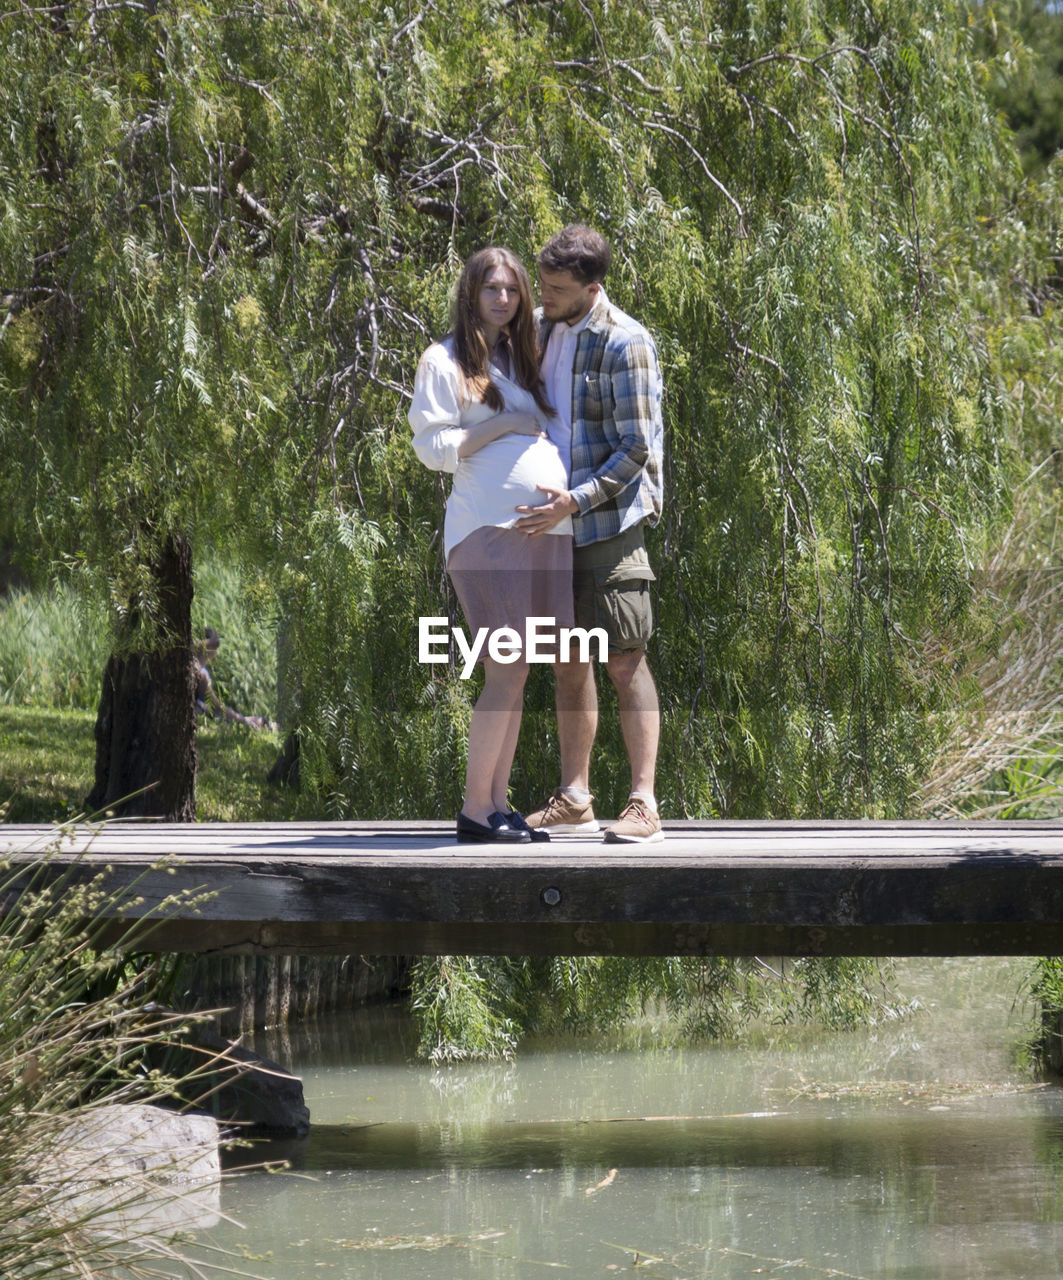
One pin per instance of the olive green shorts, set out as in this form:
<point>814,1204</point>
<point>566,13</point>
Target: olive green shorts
<point>611,583</point>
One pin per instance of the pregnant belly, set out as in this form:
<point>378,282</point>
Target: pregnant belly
<point>517,465</point>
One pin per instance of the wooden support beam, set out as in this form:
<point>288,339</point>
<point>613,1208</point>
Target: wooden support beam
<point>712,888</point>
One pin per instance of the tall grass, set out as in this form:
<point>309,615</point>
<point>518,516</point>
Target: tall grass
<point>76,1023</point>
<point>1004,755</point>
<point>240,605</point>
<point>53,648</point>
<point>54,642</point>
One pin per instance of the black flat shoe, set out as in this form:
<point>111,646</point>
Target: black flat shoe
<point>497,831</point>
<point>519,823</point>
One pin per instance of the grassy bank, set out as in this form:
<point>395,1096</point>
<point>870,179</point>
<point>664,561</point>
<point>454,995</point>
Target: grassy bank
<point>53,648</point>
<point>47,755</point>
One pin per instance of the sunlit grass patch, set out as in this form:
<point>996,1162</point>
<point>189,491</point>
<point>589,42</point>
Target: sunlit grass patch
<point>231,778</point>
<point>47,759</point>
<point>46,762</point>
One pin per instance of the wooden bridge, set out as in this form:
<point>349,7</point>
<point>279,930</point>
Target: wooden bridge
<point>712,888</point>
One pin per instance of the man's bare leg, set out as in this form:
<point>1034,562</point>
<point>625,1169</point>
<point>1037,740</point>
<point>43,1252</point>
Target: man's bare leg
<point>640,716</point>
<point>576,698</point>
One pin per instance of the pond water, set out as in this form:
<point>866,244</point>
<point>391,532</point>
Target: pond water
<point>916,1150</point>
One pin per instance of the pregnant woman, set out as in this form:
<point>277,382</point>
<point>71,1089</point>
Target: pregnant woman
<point>480,412</point>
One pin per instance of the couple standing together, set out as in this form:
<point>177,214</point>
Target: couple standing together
<point>550,422</point>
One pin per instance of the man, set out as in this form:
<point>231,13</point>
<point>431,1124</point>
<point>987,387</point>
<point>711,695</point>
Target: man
<point>601,371</point>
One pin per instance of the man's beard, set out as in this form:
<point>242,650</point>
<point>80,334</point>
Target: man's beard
<point>575,312</point>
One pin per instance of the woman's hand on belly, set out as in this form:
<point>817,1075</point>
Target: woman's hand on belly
<point>522,424</point>
<point>481,434</point>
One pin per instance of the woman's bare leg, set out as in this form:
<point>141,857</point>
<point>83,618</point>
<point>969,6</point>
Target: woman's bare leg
<point>493,732</point>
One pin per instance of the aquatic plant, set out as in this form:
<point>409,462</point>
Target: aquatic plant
<point>1046,988</point>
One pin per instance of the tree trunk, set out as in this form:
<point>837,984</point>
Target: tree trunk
<point>145,726</point>
<point>285,770</point>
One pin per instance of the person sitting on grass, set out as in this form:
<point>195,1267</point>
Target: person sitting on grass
<point>206,697</point>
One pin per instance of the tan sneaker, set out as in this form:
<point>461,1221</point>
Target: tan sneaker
<point>561,814</point>
<point>638,824</point>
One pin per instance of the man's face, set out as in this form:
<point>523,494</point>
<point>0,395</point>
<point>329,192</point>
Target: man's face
<point>564,298</point>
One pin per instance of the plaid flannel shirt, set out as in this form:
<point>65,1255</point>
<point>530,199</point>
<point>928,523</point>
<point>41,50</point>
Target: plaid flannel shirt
<point>617,428</point>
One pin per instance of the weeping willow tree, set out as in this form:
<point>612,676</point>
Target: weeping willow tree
<point>229,231</point>
<point>801,199</point>
<point>137,417</point>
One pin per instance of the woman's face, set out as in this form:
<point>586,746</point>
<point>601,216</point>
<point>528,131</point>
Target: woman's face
<point>498,300</point>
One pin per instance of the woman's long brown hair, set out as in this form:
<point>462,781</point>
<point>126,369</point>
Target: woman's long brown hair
<point>470,344</point>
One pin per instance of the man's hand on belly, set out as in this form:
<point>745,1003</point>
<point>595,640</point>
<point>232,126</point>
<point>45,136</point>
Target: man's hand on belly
<point>559,504</point>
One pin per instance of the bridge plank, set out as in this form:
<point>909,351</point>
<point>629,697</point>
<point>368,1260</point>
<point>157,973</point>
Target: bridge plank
<point>712,888</point>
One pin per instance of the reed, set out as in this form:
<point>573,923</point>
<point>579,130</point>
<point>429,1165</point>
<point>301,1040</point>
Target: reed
<point>53,649</point>
<point>1003,756</point>
<point>77,1019</point>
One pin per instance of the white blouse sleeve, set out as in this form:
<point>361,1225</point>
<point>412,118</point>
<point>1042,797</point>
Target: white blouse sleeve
<point>435,414</point>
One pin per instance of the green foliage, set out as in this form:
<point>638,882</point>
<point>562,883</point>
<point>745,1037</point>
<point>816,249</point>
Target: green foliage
<point>54,642</point>
<point>1050,982</point>
<point>461,1009</point>
<point>226,236</point>
<point>839,450</point>
<point>229,234</point>
<point>1032,97</point>
<point>52,649</point>
<point>1032,785</point>
<point>1047,991</point>
<point>241,606</point>
<point>350,600</point>
<point>481,1007</point>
